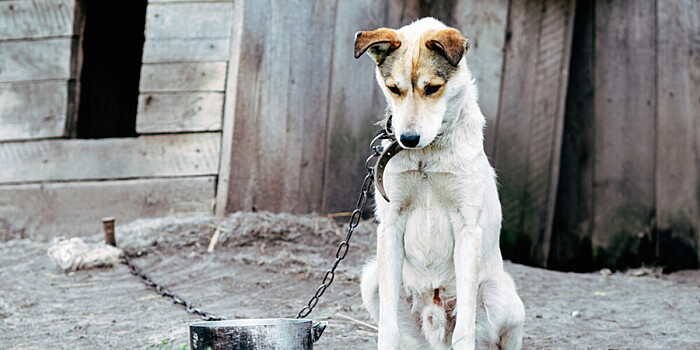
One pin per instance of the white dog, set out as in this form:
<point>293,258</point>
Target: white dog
<point>438,278</point>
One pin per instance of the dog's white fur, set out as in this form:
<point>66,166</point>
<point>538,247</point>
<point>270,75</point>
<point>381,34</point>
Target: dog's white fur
<point>441,228</point>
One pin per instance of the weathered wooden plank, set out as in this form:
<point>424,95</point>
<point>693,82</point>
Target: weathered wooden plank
<point>72,209</point>
<point>514,121</point>
<point>77,63</point>
<point>571,248</point>
<point>544,151</point>
<point>176,1</point>
<point>281,110</point>
<point>678,133</point>
<point>200,76</point>
<point>145,156</point>
<point>189,21</point>
<point>35,60</point>
<point>34,110</point>
<point>356,104</point>
<point>36,19</point>
<point>177,112</point>
<point>185,50</point>
<point>229,114</point>
<point>484,23</point>
<point>529,126</point>
<point>625,106</point>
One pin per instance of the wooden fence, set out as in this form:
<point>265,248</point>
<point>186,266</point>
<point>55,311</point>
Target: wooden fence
<point>630,174</point>
<point>591,110</point>
<point>305,108</point>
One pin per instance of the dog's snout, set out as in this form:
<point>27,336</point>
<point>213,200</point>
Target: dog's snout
<point>409,140</point>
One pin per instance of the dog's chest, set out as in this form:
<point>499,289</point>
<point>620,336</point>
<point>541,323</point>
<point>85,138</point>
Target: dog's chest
<point>428,208</point>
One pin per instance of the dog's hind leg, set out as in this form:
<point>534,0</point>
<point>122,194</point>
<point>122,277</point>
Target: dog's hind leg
<point>500,315</point>
<point>409,333</point>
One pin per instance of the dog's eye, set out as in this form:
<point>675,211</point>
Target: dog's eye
<point>431,89</point>
<point>394,89</point>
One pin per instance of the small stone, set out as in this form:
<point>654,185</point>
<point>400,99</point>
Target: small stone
<point>575,314</point>
<point>605,272</point>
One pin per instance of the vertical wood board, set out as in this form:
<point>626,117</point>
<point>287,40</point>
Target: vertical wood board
<point>513,125</point>
<point>356,104</point>
<point>625,98</point>
<point>570,247</point>
<point>678,133</point>
<point>484,23</point>
<point>528,132</point>
<point>544,151</point>
<point>280,118</point>
<point>229,114</point>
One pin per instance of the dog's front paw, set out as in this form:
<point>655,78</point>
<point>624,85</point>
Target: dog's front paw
<point>388,340</point>
<point>462,341</point>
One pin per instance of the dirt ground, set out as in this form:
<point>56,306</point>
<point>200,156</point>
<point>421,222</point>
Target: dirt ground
<point>267,265</point>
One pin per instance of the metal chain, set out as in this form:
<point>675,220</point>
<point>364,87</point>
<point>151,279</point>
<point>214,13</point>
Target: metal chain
<point>352,224</point>
<point>136,271</point>
<point>327,278</point>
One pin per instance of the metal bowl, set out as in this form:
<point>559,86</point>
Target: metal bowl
<point>255,334</point>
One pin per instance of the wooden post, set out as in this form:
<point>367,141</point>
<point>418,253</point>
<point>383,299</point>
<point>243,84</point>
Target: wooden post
<point>108,228</point>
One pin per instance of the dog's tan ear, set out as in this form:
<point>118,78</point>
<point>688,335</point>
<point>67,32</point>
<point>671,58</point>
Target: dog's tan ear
<point>380,43</point>
<point>450,43</point>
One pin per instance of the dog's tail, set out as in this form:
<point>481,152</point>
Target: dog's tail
<point>369,286</point>
<point>434,324</point>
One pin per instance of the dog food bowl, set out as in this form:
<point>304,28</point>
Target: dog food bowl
<point>255,334</point>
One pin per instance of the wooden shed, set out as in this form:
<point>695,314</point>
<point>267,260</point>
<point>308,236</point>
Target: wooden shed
<point>214,106</point>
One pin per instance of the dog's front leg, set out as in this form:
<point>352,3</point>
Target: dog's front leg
<point>467,258</point>
<point>390,255</point>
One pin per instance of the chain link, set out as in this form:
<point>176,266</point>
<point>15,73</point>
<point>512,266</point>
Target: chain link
<point>176,299</point>
<point>355,218</point>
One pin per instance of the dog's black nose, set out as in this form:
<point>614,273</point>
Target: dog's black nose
<point>410,140</point>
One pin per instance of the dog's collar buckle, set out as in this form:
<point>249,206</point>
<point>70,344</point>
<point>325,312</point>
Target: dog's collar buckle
<point>383,160</point>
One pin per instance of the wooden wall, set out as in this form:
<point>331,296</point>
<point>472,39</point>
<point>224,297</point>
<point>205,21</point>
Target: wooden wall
<point>36,75</point>
<point>185,58</point>
<point>678,133</point>
<point>630,188</point>
<point>307,108</point>
<point>54,185</point>
<point>260,105</point>
<point>529,127</point>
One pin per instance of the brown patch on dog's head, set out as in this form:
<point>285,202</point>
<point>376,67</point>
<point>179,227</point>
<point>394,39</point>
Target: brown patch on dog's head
<point>448,42</point>
<point>414,67</point>
<point>379,42</point>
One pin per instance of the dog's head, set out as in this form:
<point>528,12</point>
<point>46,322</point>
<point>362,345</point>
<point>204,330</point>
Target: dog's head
<point>418,69</point>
